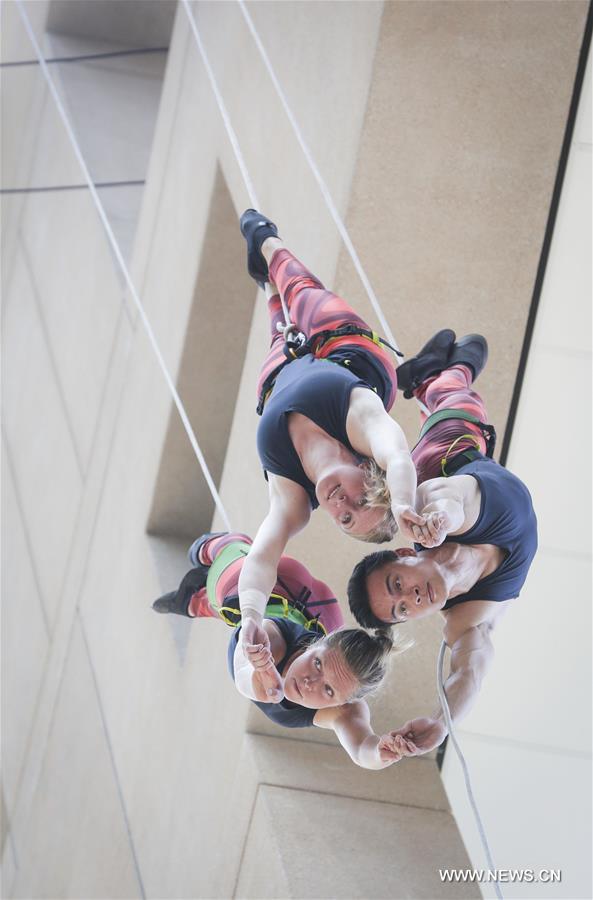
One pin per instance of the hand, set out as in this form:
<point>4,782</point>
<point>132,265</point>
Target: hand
<point>406,517</point>
<point>434,531</point>
<point>419,736</point>
<point>256,646</point>
<point>391,747</point>
<point>254,637</point>
<point>268,685</point>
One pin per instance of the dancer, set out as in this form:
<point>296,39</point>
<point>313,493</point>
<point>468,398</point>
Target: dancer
<point>324,670</point>
<point>479,524</point>
<point>325,437</point>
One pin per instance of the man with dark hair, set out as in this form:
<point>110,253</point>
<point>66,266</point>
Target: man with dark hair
<point>478,538</point>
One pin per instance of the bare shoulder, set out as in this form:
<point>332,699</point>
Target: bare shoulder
<point>461,487</point>
<point>334,717</point>
<point>365,402</point>
<point>464,616</point>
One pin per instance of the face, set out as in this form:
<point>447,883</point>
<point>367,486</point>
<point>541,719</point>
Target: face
<point>319,677</point>
<point>341,494</point>
<point>410,587</point>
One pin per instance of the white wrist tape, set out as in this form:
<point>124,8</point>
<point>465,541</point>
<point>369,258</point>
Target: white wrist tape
<point>253,601</point>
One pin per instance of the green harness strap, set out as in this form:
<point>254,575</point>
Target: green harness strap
<point>442,414</point>
<point>225,558</point>
<point>465,456</point>
<point>278,606</point>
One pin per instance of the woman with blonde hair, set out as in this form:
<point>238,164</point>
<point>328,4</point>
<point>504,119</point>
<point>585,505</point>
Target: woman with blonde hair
<point>325,437</point>
<point>315,671</point>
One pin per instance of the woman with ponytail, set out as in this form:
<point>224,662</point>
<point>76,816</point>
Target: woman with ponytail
<point>314,671</point>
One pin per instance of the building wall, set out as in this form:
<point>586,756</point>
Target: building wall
<point>133,768</point>
<point>532,732</point>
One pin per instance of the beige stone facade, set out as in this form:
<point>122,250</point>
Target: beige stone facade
<point>131,766</point>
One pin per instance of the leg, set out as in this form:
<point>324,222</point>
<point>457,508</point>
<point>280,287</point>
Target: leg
<point>313,309</point>
<point>297,584</point>
<point>212,547</point>
<point>226,583</point>
<point>451,389</point>
<point>294,582</point>
<point>275,357</point>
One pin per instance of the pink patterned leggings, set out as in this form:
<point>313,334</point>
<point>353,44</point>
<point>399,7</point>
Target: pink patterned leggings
<point>294,582</point>
<point>314,309</point>
<point>451,389</point>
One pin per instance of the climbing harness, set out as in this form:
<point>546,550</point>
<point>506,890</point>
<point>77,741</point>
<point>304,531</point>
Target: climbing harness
<point>292,608</point>
<point>451,464</point>
<point>488,431</point>
<point>278,607</point>
<point>312,346</point>
<point>317,341</point>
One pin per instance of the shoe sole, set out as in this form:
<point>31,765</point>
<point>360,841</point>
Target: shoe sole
<point>450,339</point>
<point>192,553</point>
<point>466,341</point>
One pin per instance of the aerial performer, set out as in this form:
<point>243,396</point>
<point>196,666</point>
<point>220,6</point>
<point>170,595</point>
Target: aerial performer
<point>325,670</point>
<point>479,537</point>
<point>325,438</point>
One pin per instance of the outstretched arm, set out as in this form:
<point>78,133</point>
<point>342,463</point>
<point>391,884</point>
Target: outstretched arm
<point>352,725</point>
<point>289,512</point>
<point>374,433</point>
<point>471,657</point>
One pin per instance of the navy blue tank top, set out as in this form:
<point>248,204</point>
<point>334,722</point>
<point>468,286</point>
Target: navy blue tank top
<point>319,390</point>
<point>285,713</point>
<point>507,520</point>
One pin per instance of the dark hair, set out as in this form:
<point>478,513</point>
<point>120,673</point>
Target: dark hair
<point>365,655</point>
<point>358,595</point>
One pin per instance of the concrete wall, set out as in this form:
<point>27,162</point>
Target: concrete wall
<point>532,732</point>
<point>129,770</point>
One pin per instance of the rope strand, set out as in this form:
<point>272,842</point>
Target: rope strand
<point>319,178</point>
<point>464,768</point>
<point>338,221</point>
<point>118,255</point>
<point>249,187</point>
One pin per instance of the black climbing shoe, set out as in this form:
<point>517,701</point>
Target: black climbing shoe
<point>177,602</point>
<point>432,359</point>
<point>255,228</point>
<point>471,351</point>
<point>193,554</point>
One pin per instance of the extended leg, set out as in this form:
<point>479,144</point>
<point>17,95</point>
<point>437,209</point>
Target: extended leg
<point>451,389</point>
<point>313,309</point>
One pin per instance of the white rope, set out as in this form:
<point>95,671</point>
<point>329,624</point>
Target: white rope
<point>319,179</point>
<point>464,768</point>
<point>229,128</point>
<point>124,268</point>
<point>324,188</point>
